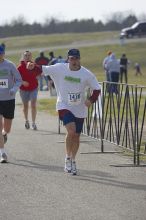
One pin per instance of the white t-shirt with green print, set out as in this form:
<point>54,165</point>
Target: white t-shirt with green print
<point>71,87</point>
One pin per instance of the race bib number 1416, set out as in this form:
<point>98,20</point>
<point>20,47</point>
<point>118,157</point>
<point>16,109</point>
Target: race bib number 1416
<point>74,98</point>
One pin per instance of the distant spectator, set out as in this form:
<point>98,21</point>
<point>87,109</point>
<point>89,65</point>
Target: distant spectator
<point>124,68</point>
<point>122,40</point>
<point>113,67</point>
<point>107,74</point>
<point>42,60</point>
<point>60,59</point>
<point>3,45</point>
<point>137,69</point>
<point>105,61</point>
<point>53,59</point>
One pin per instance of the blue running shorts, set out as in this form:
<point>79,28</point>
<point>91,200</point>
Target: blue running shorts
<point>66,116</point>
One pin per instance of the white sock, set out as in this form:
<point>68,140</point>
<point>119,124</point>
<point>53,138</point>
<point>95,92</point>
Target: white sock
<point>3,132</point>
<point>2,150</point>
<point>67,157</point>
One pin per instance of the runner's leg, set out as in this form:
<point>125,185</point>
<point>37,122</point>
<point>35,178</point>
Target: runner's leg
<point>1,135</point>
<point>72,140</point>
<point>25,110</point>
<point>7,125</point>
<point>33,110</point>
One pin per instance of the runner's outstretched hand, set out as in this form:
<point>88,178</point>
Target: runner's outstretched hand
<point>30,65</point>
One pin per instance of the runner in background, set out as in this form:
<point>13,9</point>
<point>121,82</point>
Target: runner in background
<point>29,92</point>
<point>10,81</point>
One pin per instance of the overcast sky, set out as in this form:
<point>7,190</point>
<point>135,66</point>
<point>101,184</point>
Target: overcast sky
<point>33,10</point>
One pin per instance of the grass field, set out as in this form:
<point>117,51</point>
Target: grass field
<point>92,56</point>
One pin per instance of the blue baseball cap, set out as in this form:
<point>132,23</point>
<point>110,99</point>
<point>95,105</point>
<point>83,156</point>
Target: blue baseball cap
<point>74,53</point>
<point>2,50</point>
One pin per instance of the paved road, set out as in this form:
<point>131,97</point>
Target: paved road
<point>35,187</point>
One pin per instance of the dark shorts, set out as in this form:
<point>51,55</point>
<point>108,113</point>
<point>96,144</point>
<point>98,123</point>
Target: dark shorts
<point>67,117</point>
<point>7,108</point>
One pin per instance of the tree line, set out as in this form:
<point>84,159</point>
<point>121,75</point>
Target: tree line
<point>19,27</point>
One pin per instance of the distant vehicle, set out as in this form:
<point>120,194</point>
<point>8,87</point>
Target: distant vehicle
<point>136,30</point>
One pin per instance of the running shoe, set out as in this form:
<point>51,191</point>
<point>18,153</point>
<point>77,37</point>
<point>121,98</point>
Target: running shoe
<point>74,169</point>
<point>34,127</point>
<point>5,138</point>
<point>3,158</point>
<point>68,165</point>
<point>27,126</point>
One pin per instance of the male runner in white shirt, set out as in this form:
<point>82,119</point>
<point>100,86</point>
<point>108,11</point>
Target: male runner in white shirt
<point>71,81</point>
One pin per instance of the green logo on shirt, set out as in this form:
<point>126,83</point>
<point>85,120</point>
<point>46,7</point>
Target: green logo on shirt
<point>3,72</point>
<point>72,79</point>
